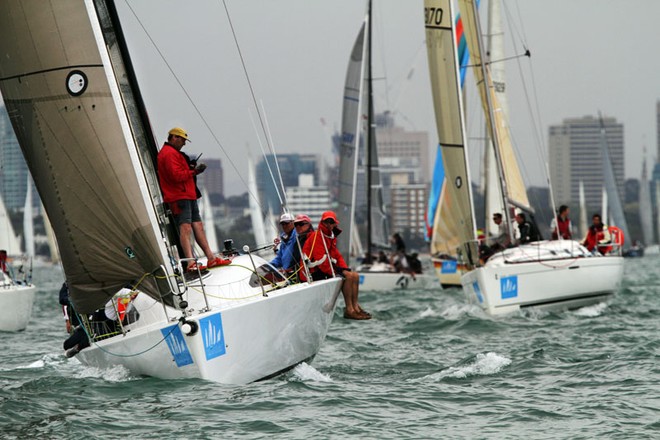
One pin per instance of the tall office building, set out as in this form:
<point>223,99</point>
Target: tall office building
<point>13,170</point>
<point>290,167</point>
<point>307,198</point>
<point>213,177</point>
<point>575,155</point>
<point>399,148</point>
<point>409,203</point>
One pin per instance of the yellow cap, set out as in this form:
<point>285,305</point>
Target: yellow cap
<point>177,131</point>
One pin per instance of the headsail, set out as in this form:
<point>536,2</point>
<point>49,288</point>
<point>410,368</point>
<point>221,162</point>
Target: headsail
<point>350,138</point>
<point>69,112</point>
<point>513,186</point>
<point>443,65</point>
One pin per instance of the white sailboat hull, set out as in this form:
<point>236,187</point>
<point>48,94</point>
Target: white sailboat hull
<point>374,281</point>
<point>16,303</point>
<point>448,271</point>
<point>244,337</point>
<point>549,275</point>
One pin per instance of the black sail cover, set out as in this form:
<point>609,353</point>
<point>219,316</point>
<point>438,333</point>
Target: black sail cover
<point>64,103</point>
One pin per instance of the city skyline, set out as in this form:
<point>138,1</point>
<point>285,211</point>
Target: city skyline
<point>296,53</point>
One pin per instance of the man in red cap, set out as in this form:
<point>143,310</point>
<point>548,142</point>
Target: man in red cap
<point>325,261</point>
<point>177,182</point>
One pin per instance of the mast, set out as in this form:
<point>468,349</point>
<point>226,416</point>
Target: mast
<point>370,109</point>
<point>494,137</point>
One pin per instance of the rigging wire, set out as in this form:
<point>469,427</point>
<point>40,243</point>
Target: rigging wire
<point>189,97</point>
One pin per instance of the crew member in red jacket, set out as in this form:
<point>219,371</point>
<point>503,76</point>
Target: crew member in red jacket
<point>323,257</point>
<point>177,182</point>
<point>598,236</point>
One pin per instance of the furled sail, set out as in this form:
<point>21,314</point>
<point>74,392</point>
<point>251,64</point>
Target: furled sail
<point>443,65</point>
<point>350,138</point>
<point>69,112</point>
<point>513,184</point>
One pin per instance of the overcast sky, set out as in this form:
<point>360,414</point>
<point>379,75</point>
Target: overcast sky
<point>587,56</point>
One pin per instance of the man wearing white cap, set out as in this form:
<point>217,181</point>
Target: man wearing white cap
<point>177,182</point>
<point>287,242</point>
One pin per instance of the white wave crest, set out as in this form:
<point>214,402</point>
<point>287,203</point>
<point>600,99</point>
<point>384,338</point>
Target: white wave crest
<point>46,360</point>
<point>115,373</point>
<point>458,311</point>
<point>591,311</point>
<point>305,372</point>
<point>483,365</point>
<point>429,312</point>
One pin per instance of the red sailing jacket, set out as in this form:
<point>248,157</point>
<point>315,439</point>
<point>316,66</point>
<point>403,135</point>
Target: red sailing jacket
<point>315,251</point>
<point>175,176</point>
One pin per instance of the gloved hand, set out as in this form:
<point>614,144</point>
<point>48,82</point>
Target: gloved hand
<point>200,168</point>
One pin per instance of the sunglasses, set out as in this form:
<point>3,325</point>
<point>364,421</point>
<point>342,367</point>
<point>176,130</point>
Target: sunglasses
<point>329,221</point>
<point>296,224</point>
<point>285,223</point>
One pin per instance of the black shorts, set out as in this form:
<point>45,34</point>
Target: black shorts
<point>318,276</point>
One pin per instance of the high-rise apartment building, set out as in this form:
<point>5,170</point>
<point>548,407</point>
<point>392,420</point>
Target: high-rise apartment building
<point>575,154</point>
<point>290,167</point>
<point>13,170</point>
<point>213,178</point>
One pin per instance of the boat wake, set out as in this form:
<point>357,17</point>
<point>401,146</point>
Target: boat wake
<point>306,373</point>
<point>479,365</point>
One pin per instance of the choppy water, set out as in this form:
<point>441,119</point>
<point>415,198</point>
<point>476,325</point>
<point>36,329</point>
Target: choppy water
<point>426,366</point>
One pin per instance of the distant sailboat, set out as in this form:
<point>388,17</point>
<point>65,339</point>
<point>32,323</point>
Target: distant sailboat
<point>544,274</point>
<point>358,123</point>
<point>16,290</point>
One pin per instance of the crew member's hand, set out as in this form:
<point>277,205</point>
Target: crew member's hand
<point>200,168</point>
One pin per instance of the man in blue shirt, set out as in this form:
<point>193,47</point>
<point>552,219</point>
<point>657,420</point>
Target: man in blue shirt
<point>287,241</point>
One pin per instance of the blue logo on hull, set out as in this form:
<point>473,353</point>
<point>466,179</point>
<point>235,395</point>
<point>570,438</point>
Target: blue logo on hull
<point>477,291</point>
<point>213,336</point>
<point>448,267</point>
<point>509,287</point>
<point>361,279</point>
<point>177,345</point>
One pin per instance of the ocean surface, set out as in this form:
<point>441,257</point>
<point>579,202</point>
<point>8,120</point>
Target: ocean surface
<point>426,366</point>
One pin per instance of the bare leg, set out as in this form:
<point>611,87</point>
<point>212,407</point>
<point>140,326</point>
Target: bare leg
<point>200,237</point>
<point>350,290</point>
<point>185,231</point>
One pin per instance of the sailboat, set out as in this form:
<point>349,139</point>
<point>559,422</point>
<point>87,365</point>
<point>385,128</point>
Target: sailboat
<point>358,123</point>
<point>16,289</point>
<point>68,82</point>
<point>545,274</point>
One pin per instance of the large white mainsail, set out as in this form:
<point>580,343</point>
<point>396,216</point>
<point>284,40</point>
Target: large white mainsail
<point>443,65</point>
<point>70,111</point>
<point>10,241</point>
<point>350,138</point>
<point>495,46</point>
